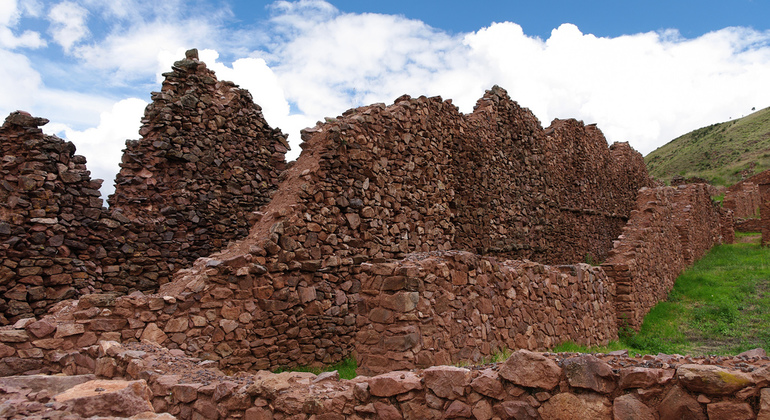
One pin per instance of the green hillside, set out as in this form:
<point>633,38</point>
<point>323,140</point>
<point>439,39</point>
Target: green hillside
<point>718,152</point>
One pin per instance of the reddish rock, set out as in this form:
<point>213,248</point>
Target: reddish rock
<point>40,328</point>
<point>532,370</point>
<point>185,392</point>
<point>447,381</point>
<point>712,380</point>
<point>764,404</point>
<point>588,372</point>
<point>153,334</point>
<point>107,398</point>
<point>488,383</point>
<point>569,406</point>
<point>728,410</point>
<point>518,410</point>
<point>627,407</point>
<point>393,383</point>
<point>678,404</point>
<point>458,409</point>
<point>387,411</point>
<point>640,377</point>
<point>483,410</point>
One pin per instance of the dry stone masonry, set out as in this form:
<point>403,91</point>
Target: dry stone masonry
<point>206,162</point>
<point>408,235</point>
<point>150,382</point>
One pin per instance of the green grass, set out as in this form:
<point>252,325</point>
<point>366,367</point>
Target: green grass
<point>718,152</point>
<point>346,368</point>
<point>721,305</point>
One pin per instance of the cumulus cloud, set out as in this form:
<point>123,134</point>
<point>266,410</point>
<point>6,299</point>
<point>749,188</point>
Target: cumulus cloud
<point>9,19</point>
<point>68,24</point>
<point>103,145</point>
<point>309,61</point>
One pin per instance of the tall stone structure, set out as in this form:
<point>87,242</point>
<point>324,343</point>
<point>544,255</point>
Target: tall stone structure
<point>206,162</point>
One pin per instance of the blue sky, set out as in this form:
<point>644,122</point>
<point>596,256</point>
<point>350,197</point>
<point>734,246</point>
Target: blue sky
<point>644,71</point>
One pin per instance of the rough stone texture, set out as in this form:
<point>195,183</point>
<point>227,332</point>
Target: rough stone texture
<point>743,199</point>
<point>189,388</point>
<point>107,398</point>
<point>589,372</point>
<point>532,370</point>
<point>728,410</point>
<point>628,407</point>
<point>448,307</point>
<point>207,160</point>
<point>713,379</point>
<point>569,406</point>
<point>669,230</point>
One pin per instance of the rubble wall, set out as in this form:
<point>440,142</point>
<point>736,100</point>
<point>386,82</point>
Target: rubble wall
<point>743,199</point>
<point>670,229</point>
<point>527,385</point>
<point>207,160</point>
<point>456,307</point>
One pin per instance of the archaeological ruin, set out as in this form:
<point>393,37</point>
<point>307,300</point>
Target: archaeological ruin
<point>409,236</point>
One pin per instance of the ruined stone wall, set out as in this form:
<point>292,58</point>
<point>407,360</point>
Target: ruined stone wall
<point>207,161</point>
<point>50,217</point>
<point>453,307</point>
<point>743,199</point>
<point>670,229</point>
<point>527,385</point>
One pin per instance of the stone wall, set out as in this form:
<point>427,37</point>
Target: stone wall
<point>206,162</point>
<point>455,307</point>
<point>525,386</point>
<point>743,199</point>
<point>670,229</point>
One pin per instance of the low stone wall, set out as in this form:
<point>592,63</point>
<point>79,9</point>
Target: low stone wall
<point>748,225</point>
<point>454,307</point>
<point>526,386</point>
<point>670,229</point>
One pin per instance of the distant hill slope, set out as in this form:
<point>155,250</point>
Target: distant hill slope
<point>719,152</point>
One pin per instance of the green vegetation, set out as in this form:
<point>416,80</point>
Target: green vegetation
<point>346,368</point>
<point>721,305</point>
<point>718,152</point>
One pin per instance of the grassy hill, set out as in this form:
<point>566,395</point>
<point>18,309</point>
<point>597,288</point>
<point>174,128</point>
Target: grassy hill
<point>718,152</point>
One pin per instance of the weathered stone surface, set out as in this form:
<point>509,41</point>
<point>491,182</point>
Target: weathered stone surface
<point>108,398</point>
<point>712,379</point>
<point>54,384</point>
<point>447,381</point>
<point>515,410</point>
<point>764,404</point>
<point>488,384</point>
<point>531,370</point>
<point>640,377</point>
<point>154,334</point>
<point>393,383</point>
<point>569,406</point>
<point>627,407</point>
<point>728,410</point>
<point>587,371</point>
<point>678,404</point>
<point>40,328</point>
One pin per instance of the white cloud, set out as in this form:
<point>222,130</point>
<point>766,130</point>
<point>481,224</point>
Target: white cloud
<point>310,61</point>
<point>9,19</point>
<point>68,24</point>
<point>103,145</point>
<point>26,81</point>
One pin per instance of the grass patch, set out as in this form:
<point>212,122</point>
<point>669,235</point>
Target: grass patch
<point>721,305</point>
<point>346,368</point>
